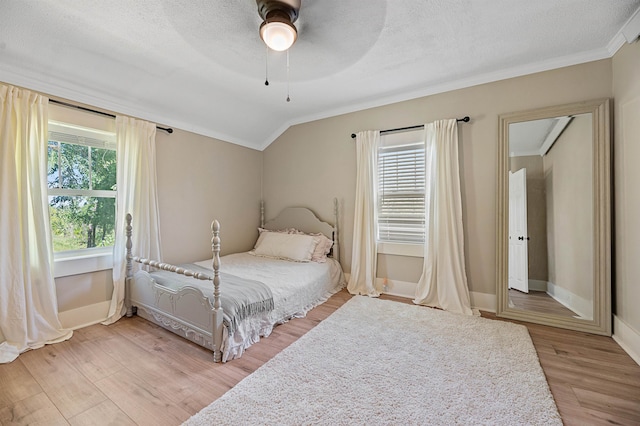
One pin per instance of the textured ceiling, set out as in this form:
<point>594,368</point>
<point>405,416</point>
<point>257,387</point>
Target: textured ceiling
<point>199,65</point>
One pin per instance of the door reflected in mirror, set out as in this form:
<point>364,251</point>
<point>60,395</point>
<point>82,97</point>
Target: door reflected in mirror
<point>554,226</point>
<point>550,216</point>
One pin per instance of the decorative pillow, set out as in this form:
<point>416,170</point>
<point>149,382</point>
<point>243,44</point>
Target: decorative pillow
<point>322,249</point>
<point>281,245</point>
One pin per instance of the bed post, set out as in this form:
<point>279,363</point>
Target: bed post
<point>261,213</point>
<point>336,236</point>
<point>217,306</point>
<point>129,269</point>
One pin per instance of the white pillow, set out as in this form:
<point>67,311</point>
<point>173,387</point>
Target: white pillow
<point>295,247</point>
<point>323,246</point>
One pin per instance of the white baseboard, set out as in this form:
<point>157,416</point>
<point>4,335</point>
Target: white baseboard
<point>397,288</point>
<point>627,338</point>
<point>579,305</point>
<point>482,301</point>
<point>84,316</point>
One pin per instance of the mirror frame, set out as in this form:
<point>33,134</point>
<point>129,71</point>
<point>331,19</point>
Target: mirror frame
<point>601,322</point>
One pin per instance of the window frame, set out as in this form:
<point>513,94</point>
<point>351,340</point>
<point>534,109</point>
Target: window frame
<point>84,260</point>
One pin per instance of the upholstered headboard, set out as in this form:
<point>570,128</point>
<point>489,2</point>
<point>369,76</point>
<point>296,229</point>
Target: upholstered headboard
<point>303,219</point>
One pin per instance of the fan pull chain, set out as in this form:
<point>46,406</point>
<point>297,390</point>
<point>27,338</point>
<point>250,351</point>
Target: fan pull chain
<point>288,98</point>
<point>266,67</point>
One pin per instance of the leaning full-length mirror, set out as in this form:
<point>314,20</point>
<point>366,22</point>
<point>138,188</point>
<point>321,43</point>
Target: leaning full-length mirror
<point>554,225</point>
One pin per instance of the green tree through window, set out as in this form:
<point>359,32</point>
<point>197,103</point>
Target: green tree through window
<point>82,189</point>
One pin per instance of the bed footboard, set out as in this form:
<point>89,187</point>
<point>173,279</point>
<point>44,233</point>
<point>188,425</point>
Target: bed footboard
<point>216,311</point>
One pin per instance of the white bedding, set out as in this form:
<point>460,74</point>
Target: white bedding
<point>297,287</point>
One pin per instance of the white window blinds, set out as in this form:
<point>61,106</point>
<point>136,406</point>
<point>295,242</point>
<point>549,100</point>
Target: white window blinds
<point>401,188</point>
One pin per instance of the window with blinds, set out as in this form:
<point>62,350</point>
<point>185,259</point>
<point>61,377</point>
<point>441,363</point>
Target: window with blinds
<point>401,188</point>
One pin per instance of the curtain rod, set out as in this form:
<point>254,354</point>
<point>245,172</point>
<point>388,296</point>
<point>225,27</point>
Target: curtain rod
<point>420,126</point>
<point>53,101</point>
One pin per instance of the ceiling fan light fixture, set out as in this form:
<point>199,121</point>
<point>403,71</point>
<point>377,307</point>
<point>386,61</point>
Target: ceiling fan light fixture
<point>277,29</point>
<point>278,33</point>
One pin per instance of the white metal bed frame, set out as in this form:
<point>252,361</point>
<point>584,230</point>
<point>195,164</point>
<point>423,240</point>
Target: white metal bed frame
<point>210,331</point>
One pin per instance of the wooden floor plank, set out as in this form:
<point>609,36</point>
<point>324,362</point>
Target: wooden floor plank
<point>35,410</point>
<point>621,404</point>
<point>202,397</point>
<point>585,380</point>
<point>580,416</point>
<point>140,402</point>
<point>248,363</point>
<point>89,359</point>
<point>539,301</point>
<point>592,373</point>
<point>93,333</point>
<point>105,413</point>
<point>66,387</point>
<point>16,383</point>
<point>149,366</point>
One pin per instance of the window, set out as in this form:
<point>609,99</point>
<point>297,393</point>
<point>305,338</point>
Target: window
<point>81,180</point>
<point>401,188</point>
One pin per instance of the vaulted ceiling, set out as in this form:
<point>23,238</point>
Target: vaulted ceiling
<point>200,65</point>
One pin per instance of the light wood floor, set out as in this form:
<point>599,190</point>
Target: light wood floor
<point>133,372</point>
<point>539,301</point>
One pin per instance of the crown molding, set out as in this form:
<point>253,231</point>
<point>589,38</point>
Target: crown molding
<point>616,43</point>
<point>627,34</point>
<point>547,65</point>
<point>87,96</point>
<point>631,29</point>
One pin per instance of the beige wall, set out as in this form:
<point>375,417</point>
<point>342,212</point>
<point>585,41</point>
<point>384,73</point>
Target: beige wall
<point>313,162</point>
<point>536,214</point>
<point>626,176</point>
<point>201,179</point>
<point>76,291</point>
<point>568,171</point>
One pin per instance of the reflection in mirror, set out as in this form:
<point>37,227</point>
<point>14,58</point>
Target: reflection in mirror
<point>550,216</point>
<point>553,217</point>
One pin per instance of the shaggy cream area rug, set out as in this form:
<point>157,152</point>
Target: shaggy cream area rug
<point>378,362</point>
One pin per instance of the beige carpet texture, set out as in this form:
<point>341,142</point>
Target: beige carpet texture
<point>379,362</point>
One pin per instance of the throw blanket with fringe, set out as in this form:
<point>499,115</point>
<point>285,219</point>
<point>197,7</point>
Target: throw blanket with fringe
<point>240,298</point>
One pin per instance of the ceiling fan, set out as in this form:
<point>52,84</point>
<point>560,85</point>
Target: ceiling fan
<point>278,16</point>
<point>329,43</point>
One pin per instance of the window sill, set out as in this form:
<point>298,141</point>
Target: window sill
<point>80,263</point>
<point>401,249</point>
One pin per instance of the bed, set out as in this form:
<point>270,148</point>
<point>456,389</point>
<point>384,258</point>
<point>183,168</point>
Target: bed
<point>228,303</point>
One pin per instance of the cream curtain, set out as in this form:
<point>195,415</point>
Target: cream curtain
<point>28,304</point>
<point>364,252</point>
<point>137,194</point>
<point>443,283</point>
